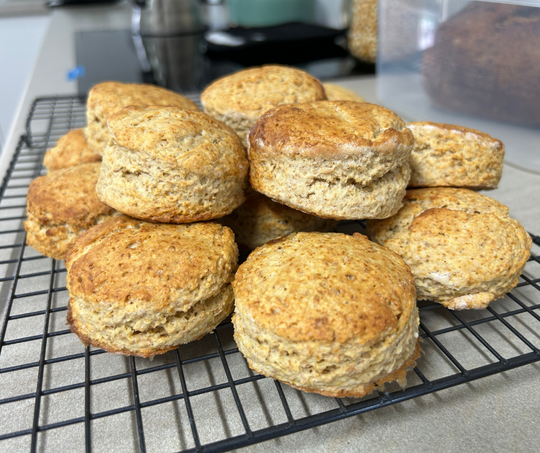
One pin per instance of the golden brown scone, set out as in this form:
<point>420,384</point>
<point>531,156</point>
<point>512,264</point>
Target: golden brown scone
<point>72,149</point>
<point>171,165</point>
<point>463,248</point>
<point>259,220</point>
<point>338,93</point>
<point>327,313</point>
<point>140,288</point>
<point>240,99</point>
<point>454,156</point>
<point>107,98</point>
<point>363,30</point>
<point>332,159</point>
<point>61,206</point>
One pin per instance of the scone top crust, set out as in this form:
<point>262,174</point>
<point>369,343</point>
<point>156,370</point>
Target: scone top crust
<point>325,286</point>
<point>441,201</point>
<point>250,93</point>
<point>72,149</point>
<point>175,136</point>
<point>109,97</point>
<point>338,93</point>
<point>124,261</point>
<point>486,139</point>
<point>329,129</point>
<point>68,195</point>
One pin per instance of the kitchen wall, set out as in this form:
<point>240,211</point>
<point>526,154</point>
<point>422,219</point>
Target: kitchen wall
<point>20,42</point>
<point>329,12</point>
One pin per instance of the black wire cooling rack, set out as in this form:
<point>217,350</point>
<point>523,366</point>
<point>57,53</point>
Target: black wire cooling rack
<point>201,397</point>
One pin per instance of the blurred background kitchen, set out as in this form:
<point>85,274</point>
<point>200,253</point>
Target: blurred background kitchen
<point>179,44</point>
<point>475,63</point>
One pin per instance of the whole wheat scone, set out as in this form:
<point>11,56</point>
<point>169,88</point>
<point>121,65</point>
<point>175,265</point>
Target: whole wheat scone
<point>108,98</point>
<point>332,159</point>
<point>171,165</point>
<point>338,93</point>
<point>445,155</point>
<point>363,30</point>
<point>72,149</point>
<point>463,248</point>
<point>327,313</point>
<point>240,99</point>
<point>61,206</point>
<point>259,220</point>
<point>140,288</point>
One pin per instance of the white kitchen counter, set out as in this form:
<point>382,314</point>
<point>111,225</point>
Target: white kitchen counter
<point>497,413</point>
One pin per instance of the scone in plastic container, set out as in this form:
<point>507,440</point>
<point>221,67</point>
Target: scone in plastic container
<point>471,63</point>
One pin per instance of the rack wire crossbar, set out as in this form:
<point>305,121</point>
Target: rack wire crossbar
<point>201,397</point>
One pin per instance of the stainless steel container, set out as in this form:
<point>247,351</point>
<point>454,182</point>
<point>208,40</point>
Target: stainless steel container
<point>168,35</point>
<point>166,17</point>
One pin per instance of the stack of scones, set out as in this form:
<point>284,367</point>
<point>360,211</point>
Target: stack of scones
<point>149,204</point>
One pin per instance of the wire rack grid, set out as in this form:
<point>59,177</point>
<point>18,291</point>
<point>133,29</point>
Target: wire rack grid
<point>201,397</point>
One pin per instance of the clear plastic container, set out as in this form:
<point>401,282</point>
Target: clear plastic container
<point>471,63</point>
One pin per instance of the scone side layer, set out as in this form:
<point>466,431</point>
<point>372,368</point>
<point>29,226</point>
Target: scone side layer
<point>329,188</point>
<point>399,375</point>
<point>156,333</point>
<point>350,369</point>
<point>259,220</point>
<point>454,156</point>
<point>237,123</point>
<point>143,189</point>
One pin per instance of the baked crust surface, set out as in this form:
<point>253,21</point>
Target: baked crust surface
<point>240,99</point>
<point>61,206</point>
<point>172,165</point>
<point>454,156</point>
<point>141,288</point>
<point>463,248</point>
<point>332,159</point>
<point>107,98</point>
<point>326,313</point>
<point>72,149</point>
